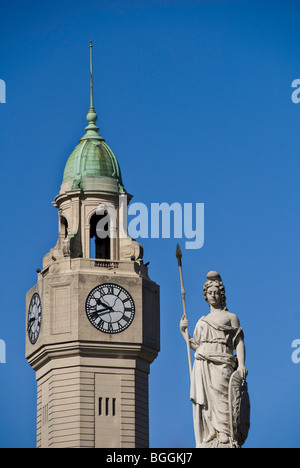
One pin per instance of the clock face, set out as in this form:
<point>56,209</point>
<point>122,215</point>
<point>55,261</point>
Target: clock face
<point>34,318</point>
<point>110,308</point>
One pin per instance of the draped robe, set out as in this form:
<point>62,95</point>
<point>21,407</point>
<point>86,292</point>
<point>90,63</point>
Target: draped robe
<point>213,366</point>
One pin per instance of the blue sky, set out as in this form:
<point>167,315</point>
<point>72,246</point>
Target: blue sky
<point>194,98</point>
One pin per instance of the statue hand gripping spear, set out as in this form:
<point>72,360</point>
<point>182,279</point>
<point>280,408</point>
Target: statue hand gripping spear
<point>184,317</point>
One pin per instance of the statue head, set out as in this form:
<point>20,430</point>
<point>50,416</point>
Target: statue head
<point>214,287</point>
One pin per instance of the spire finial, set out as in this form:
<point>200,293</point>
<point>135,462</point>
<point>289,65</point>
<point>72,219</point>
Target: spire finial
<point>91,71</point>
<point>91,129</point>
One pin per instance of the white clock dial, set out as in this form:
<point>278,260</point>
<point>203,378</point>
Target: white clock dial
<point>110,308</point>
<point>34,318</point>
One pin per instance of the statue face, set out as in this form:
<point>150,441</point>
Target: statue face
<point>213,296</point>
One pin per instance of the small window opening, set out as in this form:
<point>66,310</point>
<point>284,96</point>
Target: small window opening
<point>99,248</point>
<point>44,415</point>
<point>109,404</point>
<point>64,226</point>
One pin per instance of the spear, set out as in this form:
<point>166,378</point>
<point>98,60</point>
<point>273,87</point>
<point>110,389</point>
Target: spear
<point>184,317</point>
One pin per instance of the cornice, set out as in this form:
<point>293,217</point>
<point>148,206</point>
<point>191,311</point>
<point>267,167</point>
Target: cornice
<point>95,350</point>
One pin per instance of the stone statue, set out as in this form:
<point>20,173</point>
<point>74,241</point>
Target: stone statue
<point>221,407</point>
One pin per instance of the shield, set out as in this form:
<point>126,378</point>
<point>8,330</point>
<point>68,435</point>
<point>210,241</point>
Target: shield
<point>239,408</point>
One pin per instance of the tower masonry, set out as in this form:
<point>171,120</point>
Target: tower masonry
<point>93,318</point>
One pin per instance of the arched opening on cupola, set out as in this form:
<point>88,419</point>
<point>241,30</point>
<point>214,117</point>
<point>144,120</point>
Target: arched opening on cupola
<point>63,227</point>
<point>99,244</point>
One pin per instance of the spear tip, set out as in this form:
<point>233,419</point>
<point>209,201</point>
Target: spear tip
<point>178,254</point>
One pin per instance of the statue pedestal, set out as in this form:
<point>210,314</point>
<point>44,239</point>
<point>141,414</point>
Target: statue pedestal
<point>216,443</point>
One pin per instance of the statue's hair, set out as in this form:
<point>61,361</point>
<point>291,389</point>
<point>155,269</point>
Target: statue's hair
<point>221,287</point>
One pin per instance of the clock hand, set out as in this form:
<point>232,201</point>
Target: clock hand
<point>99,302</point>
<point>98,313</point>
<point>108,311</point>
<point>31,322</point>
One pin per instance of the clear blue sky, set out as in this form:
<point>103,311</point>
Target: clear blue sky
<point>194,98</point>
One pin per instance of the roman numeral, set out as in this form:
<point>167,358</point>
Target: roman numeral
<point>100,323</point>
<point>110,289</point>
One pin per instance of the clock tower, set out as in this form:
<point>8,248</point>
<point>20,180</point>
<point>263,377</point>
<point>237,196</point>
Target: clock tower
<point>92,319</point>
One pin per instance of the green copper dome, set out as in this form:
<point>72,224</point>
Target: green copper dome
<point>92,158</point>
<point>92,165</point>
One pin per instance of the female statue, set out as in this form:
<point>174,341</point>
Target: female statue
<point>216,337</point>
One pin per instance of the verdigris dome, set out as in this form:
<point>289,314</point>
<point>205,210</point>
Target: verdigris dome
<point>92,165</point>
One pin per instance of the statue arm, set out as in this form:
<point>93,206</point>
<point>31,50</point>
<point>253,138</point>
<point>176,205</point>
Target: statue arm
<point>184,331</point>
<point>240,352</point>
<point>193,344</point>
<point>240,349</point>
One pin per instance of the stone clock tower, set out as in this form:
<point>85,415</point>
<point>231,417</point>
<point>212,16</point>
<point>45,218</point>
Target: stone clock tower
<point>92,319</point>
